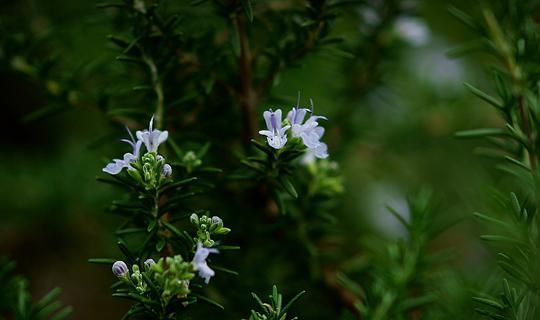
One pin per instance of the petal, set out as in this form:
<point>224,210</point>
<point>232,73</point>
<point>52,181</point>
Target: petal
<point>277,114</point>
<point>266,116</point>
<point>139,134</point>
<point>163,136</point>
<point>291,115</point>
<point>310,139</point>
<point>266,133</point>
<point>114,167</point>
<point>137,148</point>
<point>274,142</point>
<point>319,131</point>
<point>300,115</point>
<point>321,151</point>
<point>296,130</point>
<point>129,157</point>
<point>284,129</point>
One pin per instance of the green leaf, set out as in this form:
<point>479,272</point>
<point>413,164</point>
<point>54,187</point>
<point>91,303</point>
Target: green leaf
<point>47,299</point>
<point>293,300</point>
<point>483,132</point>
<point>491,219</point>
<point>102,261</point>
<point>160,244</point>
<point>62,313</point>
<point>489,302</point>
<point>210,301</point>
<point>248,9</point>
<point>288,186</point>
<point>484,96</point>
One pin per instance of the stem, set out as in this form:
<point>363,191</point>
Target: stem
<point>518,81</point>
<point>248,96</point>
<point>524,112</point>
<point>158,89</point>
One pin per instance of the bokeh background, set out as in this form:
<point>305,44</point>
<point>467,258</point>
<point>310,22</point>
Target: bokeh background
<point>399,139</point>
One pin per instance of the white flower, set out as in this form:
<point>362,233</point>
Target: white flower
<point>275,135</point>
<point>151,137</point>
<point>199,262</point>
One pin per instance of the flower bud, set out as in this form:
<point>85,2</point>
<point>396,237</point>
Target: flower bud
<point>160,158</point>
<point>149,263</point>
<point>194,218</point>
<point>217,220</point>
<point>167,170</point>
<point>120,269</point>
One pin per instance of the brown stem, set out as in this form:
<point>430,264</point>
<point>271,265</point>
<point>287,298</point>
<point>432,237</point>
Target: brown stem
<point>300,53</point>
<point>248,96</point>
<point>346,297</point>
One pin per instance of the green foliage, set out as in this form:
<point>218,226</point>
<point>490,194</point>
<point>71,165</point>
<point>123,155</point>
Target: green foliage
<point>275,310</point>
<point>400,281</point>
<point>509,34</point>
<point>16,303</point>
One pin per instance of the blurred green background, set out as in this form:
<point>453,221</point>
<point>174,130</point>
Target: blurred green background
<point>53,218</point>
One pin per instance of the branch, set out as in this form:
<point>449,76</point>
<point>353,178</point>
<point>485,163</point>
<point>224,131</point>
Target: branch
<point>248,96</point>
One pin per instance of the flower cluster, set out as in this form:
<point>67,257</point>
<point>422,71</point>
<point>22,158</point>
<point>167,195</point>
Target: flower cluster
<point>150,168</point>
<point>309,131</point>
<point>171,274</point>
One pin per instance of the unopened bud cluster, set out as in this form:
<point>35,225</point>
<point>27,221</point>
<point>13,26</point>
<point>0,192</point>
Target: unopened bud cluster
<point>206,227</point>
<point>190,161</point>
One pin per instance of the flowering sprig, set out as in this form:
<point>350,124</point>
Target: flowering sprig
<point>164,283</point>
<point>290,142</point>
<point>161,289</point>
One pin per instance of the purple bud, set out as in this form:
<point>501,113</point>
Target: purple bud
<point>120,269</point>
<point>167,170</point>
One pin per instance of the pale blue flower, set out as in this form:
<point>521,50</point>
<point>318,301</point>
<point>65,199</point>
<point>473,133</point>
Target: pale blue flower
<point>275,135</point>
<point>310,132</point>
<point>116,166</point>
<point>199,262</point>
<point>296,117</point>
<point>320,151</point>
<point>151,137</point>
